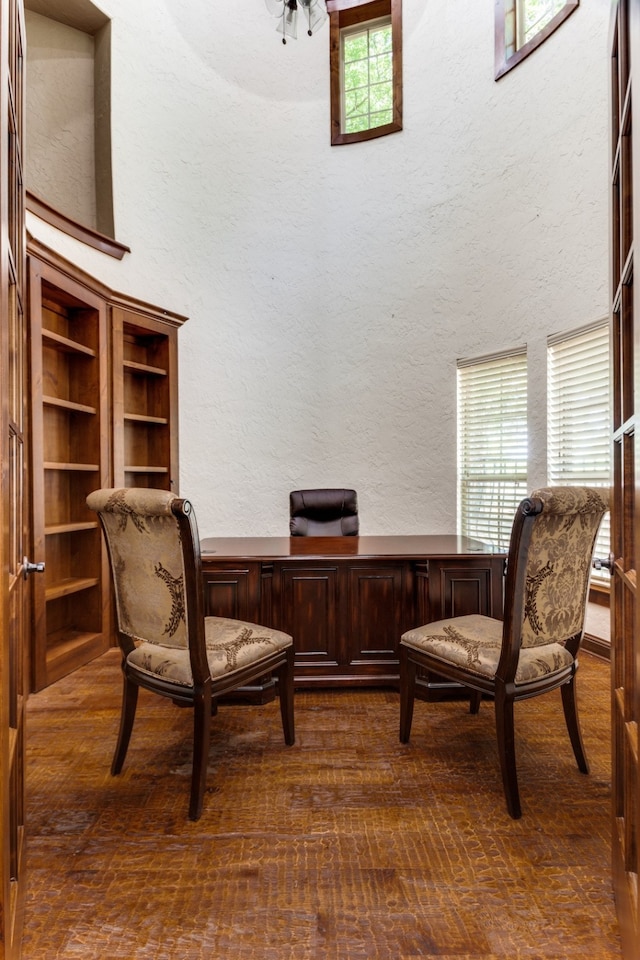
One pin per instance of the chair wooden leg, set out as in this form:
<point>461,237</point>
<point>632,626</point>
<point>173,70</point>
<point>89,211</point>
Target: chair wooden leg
<point>201,741</point>
<point>570,707</point>
<point>507,752</point>
<point>474,701</point>
<point>407,693</point>
<point>127,716</point>
<point>285,691</point>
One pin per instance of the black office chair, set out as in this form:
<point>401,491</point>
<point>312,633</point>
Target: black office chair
<point>323,513</point>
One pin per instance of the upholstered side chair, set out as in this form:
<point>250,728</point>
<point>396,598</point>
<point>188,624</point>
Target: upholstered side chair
<point>534,649</point>
<point>323,513</point>
<point>168,645</point>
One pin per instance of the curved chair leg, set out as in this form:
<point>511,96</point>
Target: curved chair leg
<point>570,707</point>
<point>127,716</point>
<point>201,741</point>
<point>285,691</point>
<point>407,693</point>
<point>507,752</point>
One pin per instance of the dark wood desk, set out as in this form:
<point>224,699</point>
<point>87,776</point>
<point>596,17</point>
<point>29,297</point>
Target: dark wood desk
<point>347,600</point>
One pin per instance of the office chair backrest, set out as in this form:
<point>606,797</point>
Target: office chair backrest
<point>323,513</point>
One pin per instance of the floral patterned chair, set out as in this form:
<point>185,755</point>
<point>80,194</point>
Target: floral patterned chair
<point>534,649</point>
<point>168,645</point>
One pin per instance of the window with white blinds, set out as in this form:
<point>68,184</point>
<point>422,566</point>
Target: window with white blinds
<point>492,444</point>
<point>579,414</point>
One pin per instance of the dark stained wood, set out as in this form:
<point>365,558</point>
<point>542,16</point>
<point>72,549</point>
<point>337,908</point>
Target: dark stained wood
<point>347,600</point>
<point>74,229</point>
<point>432,546</point>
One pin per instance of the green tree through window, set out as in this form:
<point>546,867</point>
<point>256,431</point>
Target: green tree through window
<point>366,69</point>
<point>368,77</point>
<point>522,25</point>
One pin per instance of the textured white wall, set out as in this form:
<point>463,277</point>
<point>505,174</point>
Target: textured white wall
<point>60,131</point>
<point>331,290</point>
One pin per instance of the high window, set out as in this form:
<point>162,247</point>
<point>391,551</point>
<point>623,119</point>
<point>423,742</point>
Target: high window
<point>522,25</point>
<point>492,444</point>
<point>579,414</point>
<point>366,69</point>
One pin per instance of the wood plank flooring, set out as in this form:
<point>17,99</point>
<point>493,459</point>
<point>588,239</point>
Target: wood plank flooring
<point>346,846</point>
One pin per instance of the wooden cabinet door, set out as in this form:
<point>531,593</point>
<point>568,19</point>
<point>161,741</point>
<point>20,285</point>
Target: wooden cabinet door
<point>379,608</point>
<point>306,605</point>
<point>14,622</point>
<point>625,512</point>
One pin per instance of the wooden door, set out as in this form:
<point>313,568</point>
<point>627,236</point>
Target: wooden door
<point>13,474</point>
<point>625,514</point>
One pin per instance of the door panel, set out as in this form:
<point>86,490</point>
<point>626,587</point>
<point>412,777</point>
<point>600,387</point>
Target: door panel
<point>14,622</point>
<point>625,515</point>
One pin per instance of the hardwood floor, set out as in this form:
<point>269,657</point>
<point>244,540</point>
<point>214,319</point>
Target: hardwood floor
<point>346,846</point>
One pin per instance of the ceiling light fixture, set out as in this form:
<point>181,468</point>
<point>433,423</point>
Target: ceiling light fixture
<point>315,13</point>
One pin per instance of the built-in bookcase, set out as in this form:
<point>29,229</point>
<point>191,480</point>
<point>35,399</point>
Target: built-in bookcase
<point>69,343</point>
<point>144,401</point>
<point>104,410</point>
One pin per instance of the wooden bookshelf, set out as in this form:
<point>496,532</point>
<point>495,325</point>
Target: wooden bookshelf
<point>145,401</point>
<point>104,409</point>
<point>71,425</point>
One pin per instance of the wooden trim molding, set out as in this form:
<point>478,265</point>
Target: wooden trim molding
<point>61,221</point>
<point>504,63</point>
<point>39,250</point>
<point>596,646</point>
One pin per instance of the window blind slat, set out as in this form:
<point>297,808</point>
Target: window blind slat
<point>579,415</point>
<point>492,445</point>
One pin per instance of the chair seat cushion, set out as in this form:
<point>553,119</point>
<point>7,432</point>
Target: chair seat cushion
<point>231,645</point>
<point>474,643</point>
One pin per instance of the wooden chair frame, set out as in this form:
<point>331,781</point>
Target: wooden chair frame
<point>202,696</point>
<point>502,688</point>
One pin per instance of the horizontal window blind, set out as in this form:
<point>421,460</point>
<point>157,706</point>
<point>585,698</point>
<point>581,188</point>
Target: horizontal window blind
<point>579,422</point>
<point>492,444</point>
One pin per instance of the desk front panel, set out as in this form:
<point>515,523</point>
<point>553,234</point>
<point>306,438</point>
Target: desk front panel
<point>346,613</point>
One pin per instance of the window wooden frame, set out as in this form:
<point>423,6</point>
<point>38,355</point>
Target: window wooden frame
<point>347,13</point>
<point>504,63</point>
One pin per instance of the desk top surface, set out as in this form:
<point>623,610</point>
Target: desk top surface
<point>273,548</point>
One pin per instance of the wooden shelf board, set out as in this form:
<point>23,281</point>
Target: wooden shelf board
<point>72,346</point>
<point>65,642</point>
<point>145,469</point>
<point>64,588</point>
<point>141,418</point>
<point>55,528</point>
<point>68,405</point>
<point>51,465</point>
<point>144,368</point>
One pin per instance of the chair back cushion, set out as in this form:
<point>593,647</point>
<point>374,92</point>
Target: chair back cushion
<point>323,513</point>
<point>558,562</point>
<point>147,563</point>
